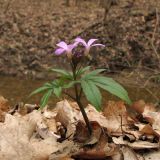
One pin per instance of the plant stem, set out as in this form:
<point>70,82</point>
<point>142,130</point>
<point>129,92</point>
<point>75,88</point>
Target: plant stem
<point>78,100</point>
<point>85,117</point>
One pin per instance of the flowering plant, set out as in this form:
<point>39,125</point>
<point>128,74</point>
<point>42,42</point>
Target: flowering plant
<point>81,78</point>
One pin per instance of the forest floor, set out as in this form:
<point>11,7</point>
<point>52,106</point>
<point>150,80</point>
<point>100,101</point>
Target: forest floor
<point>29,31</point>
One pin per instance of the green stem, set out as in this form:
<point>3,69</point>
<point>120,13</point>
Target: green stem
<point>78,100</point>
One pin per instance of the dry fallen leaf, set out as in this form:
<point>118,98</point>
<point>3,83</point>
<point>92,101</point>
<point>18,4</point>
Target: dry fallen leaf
<point>139,106</point>
<point>115,120</point>
<point>33,136</point>
<point>65,150</point>
<point>67,116</point>
<point>101,150</point>
<point>17,139</point>
<point>116,114</point>
<point>4,104</point>
<point>137,144</point>
<point>4,107</point>
<point>81,134</point>
<point>153,118</point>
<point>154,155</point>
<point>128,153</point>
<point>145,128</point>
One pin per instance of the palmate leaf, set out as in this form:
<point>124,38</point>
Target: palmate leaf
<point>45,87</point>
<point>45,98</point>
<point>108,81</point>
<point>65,74</point>
<point>57,87</point>
<point>93,73</point>
<point>111,86</point>
<point>82,71</point>
<point>92,93</point>
<point>70,84</point>
<point>57,91</point>
<point>49,89</point>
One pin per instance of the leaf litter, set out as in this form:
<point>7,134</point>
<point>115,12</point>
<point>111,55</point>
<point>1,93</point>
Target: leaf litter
<point>61,133</point>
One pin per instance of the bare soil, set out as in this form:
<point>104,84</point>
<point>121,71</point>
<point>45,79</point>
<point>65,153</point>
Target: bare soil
<point>29,31</point>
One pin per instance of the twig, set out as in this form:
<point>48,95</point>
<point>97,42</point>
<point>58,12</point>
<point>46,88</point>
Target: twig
<point>122,125</point>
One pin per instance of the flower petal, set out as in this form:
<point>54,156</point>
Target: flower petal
<point>71,46</point>
<point>80,40</point>
<point>98,45</point>
<point>59,51</point>
<point>91,41</point>
<point>63,45</point>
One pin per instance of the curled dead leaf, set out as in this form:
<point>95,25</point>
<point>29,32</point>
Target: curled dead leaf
<point>139,106</point>
<point>4,107</point>
<point>137,144</point>
<point>4,104</point>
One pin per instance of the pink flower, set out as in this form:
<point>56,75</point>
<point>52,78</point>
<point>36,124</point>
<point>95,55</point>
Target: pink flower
<point>65,48</point>
<point>88,44</point>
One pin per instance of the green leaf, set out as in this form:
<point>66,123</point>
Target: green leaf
<point>113,87</point>
<point>108,81</point>
<point>65,74</point>
<point>92,93</point>
<point>41,89</point>
<point>82,70</point>
<point>45,98</point>
<point>69,85</point>
<point>93,73</point>
<point>57,91</point>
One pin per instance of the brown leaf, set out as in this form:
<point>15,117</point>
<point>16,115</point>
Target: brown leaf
<point>51,124</point>
<point>4,104</point>
<point>4,107</point>
<point>129,154</point>
<point>67,116</point>
<point>139,106</point>
<point>113,120</point>
<point>101,150</point>
<point>98,152</point>
<point>81,134</point>
<point>116,114</point>
<point>65,150</point>
<point>96,134</point>
<point>150,113</point>
<point>137,144</point>
<point>94,115</point>
<point>154,155</point>
<point>156,125</point>
<point>17,140</point>
<point>153,118</point>
<point>145,129</point>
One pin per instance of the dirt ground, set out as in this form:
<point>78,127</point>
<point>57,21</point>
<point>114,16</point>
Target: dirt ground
<point>30,29</point>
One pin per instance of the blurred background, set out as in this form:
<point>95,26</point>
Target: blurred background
<point>30,29</point>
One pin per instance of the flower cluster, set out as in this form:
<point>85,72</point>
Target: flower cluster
<point>64,48</point>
